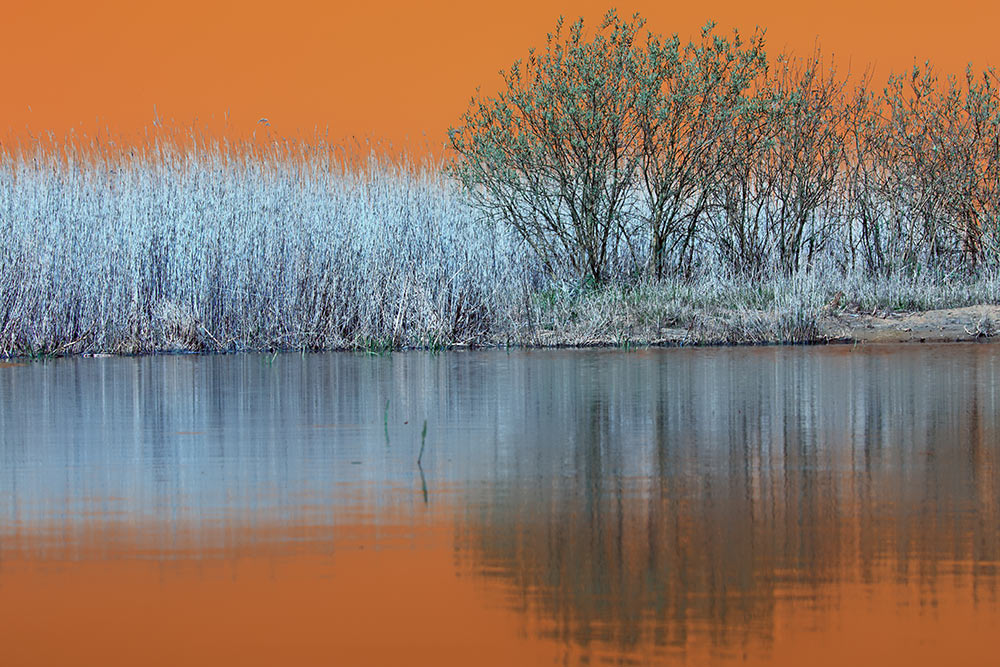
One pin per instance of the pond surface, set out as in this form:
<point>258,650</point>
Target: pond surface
<point>778,506</point>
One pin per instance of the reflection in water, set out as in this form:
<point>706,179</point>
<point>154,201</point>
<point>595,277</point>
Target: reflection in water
<point>745,504</point>
<point>771,475</point>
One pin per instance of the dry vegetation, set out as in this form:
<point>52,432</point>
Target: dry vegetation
<point>228,248</point>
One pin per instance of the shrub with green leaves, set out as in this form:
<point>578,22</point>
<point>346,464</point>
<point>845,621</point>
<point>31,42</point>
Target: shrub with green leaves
<point>618,155</point>
<point>555,153</point>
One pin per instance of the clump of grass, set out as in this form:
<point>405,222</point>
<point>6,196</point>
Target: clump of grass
<point>709,309</point>
<point>985,327</point>
<point>713,308</point>
<point>919,292</point>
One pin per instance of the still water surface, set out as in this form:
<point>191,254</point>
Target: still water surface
<point>753,506</point>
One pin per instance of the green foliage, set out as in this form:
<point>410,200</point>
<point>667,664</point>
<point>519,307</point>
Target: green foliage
<point>554,154</point>
<point>699,94</point>
<point>615,155</point>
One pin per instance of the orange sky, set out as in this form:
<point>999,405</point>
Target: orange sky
<point>391,70</point>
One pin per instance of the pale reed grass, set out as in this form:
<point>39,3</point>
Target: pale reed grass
<point>200,245</point>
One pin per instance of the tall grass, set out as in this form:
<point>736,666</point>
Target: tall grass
<point>227,247</point>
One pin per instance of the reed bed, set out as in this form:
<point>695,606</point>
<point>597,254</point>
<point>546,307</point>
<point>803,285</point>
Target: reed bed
<point>227,248</point>
<point>212,247</point>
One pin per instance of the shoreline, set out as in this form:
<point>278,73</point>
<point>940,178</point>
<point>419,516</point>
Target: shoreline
<point>968,324</point>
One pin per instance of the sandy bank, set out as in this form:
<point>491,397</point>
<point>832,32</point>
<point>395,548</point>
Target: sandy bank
<point>933,326</point>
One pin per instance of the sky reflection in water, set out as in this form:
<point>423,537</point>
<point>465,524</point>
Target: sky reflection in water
<point>759,505</point>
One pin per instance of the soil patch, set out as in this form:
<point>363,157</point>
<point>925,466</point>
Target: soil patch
<point>948,324</point>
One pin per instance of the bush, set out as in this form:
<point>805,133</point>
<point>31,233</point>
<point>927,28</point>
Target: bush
<point>643,157</point>
<point>554,154</point>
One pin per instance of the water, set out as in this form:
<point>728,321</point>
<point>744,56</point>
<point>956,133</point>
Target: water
<point>753,506</point>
